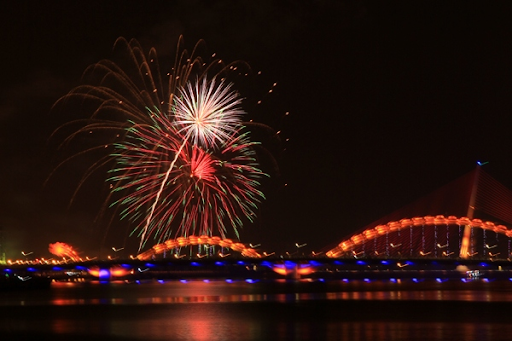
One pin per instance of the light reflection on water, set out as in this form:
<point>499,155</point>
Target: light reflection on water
<point>187,292</point>
<point>238,310</point>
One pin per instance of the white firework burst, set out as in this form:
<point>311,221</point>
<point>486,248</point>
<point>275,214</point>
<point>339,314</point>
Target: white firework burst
<point>207,112</point>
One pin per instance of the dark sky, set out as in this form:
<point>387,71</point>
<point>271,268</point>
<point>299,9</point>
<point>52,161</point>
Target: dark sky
<point>387,100</point>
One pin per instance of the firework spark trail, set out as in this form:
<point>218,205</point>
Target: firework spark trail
<point>164,181</point>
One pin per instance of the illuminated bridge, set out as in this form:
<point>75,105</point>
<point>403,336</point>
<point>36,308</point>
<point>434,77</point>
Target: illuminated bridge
<point>460,230</point>
<point>465,219</point>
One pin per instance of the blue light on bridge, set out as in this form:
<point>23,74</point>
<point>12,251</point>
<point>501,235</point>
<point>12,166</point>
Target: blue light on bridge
<point>80,267</point>
<point>289,264</point>
<point>31,269</point>
<point>161,281</point>
<point>219,263</point>
<point>366,280</point>
<point>104,274</point>
<point>393,280</point>
<point>250,280</point>
<point>150,265</point>
<point>229,280</point>
<point>195,264</point>
<point>183,280</point>
<point>57,268</point>
<point>267,264</point>
<point>314,263</point>
<point>385,262</point>
<point>337,262</point>
<point>360,262</point>
<point>240,262</point>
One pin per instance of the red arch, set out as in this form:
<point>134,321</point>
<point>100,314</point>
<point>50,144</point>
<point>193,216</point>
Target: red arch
<point>195,240</point>
<point>379,230</point>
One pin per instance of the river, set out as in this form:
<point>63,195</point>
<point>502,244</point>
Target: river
<point>259,310</point>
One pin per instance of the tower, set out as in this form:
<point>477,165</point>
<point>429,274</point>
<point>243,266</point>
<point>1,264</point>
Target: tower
<point>466,238</point>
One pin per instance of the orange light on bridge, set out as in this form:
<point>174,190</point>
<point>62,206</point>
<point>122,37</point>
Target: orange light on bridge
<point>394,226</point>
<point>201,240</point>
<point>345,247</point>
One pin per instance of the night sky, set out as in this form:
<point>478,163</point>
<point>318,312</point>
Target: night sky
<point>387,100</point>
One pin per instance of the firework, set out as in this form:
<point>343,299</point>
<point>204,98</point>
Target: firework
<point>208,113</point>
<point>204,114</point>
<point>199,192</point>
<point>183,160</point>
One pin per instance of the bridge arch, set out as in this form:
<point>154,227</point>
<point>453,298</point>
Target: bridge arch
<point>198,240</point>
<point>439,229</point>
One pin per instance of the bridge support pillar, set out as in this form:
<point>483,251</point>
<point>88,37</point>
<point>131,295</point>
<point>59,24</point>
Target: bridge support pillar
<point>466,239</point>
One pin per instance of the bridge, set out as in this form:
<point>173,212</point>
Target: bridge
<point>478,207</point>
<point>471,236</point>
